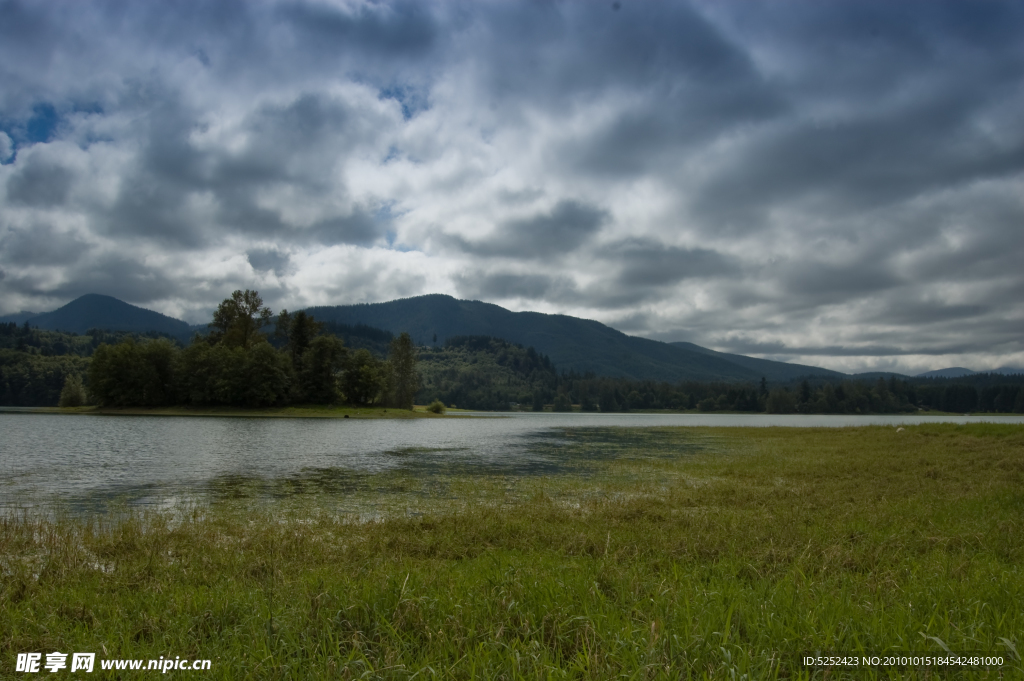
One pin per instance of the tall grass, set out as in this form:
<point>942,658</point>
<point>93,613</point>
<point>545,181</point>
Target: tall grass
<point>723,564</point>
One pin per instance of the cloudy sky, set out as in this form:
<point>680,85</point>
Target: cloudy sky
<point>834,183</point>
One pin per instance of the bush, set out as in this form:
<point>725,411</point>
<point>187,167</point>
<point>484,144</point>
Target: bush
<point>436,407</point>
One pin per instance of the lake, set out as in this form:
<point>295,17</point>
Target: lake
<point>86,460</point>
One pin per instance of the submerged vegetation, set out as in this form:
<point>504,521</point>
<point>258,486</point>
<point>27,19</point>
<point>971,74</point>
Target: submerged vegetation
<point>666,553</point>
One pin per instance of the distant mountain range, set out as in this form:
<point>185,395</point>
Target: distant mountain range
<point>93,311</point>
<point>960,372</point>
<point>573,344</point>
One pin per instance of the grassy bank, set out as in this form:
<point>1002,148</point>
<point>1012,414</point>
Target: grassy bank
<point>299,411</point>
<point>685,553</point>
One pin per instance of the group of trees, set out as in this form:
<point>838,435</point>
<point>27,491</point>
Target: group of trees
<point>35,364</point>
<point>236,364</point>
<point>490,374</point>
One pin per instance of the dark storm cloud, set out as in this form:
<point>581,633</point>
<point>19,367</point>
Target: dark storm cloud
<point>109,274</point>
<point>39,182</point>
<point>269,260</point>
<point>920,313</point>
<point>866,162</point>
<point>646,263</point>
<point>550,234</point>
<point>887,102</point>
<point>824,282</point>
<point>504,285</point>
<point>559,51</point>
<point>40,244</point>
<point>398,30</point>
<point>678,82</point>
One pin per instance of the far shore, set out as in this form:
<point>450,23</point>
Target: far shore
<point>339,412</point>
<point>303,411</point>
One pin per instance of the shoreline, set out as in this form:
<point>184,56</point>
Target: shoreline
<point>323,412</point>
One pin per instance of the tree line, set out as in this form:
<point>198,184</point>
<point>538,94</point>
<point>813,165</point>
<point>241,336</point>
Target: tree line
<point>236,364</point>
<point>35,364</point>
<point>479,372</point>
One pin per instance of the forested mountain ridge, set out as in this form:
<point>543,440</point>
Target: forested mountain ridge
<point>572,344</point>
<point>94,311</point>
<point>773,371</point>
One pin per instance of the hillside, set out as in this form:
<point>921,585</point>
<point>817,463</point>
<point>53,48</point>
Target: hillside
<point>94,311</point>
<point>476,372</point>
<point>960,372</point>
<point>573,344</point>
<point>951,372</point>
<point>773,371</point>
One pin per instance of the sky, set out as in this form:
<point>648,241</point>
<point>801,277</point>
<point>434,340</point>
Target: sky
<point>836,183</point>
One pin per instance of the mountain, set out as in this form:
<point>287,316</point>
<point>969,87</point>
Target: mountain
<point>951,372</point>
<point>17,317</point>
<point>960,372</point>
<point>93,311</point>
<point>773,371</point>
<point>573,344</point>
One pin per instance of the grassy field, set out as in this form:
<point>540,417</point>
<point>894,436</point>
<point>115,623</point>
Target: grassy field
<point>665,553</point>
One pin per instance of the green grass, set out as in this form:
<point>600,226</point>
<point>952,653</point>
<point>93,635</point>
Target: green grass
<point>664,553</point>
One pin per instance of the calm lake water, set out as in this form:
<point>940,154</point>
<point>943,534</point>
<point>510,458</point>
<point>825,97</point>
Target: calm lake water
<point>141,459</point>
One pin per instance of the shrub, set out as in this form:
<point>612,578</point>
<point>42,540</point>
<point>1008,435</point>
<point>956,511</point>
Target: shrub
<point>436,407</point>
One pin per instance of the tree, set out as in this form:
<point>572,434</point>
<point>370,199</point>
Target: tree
<point>218,374</point>
<point>405,381</point>
<point>238,319</point>
<point>301,332</point>
<point>319,367</point>
<point>781,402</point>
<point>73,394</point>
<point>133,374</point>
<point>607,401</point>
<point>363,378</point>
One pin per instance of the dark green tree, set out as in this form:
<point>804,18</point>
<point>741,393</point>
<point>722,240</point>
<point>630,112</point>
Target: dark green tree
<point>73,393</point>
<point>781,402</point>
<point>301,332</point>
<point>562,402</point>
<point>363,378</point>
<point>404,380</point>
<point>320,367</point>
<point>133,374</point>
<point>607,401</point>
<point>805,391</point>
<point>238,319</point>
